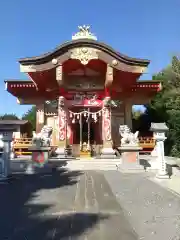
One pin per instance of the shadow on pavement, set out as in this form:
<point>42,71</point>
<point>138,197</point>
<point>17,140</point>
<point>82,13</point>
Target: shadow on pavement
<point>23,217</point>
<point>20,165</point>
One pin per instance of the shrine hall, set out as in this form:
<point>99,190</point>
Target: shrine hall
<point>84,89</point>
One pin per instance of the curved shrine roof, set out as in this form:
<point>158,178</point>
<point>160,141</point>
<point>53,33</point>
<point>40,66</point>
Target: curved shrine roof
<point>63,48</point>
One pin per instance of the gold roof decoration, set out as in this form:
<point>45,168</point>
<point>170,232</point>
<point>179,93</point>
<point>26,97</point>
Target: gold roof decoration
<point>84,33</point>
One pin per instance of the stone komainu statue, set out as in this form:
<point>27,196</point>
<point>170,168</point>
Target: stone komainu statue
<point>43,139</point>
<point>128,138</point>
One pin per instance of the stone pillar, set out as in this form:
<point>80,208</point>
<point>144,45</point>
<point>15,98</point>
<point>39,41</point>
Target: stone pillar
<point>128,113</point>
<point>160,138</point>
<point>107,151</point>
<point>154,151</point>
<point>39,117</point>
<point>159,130</point>
<point>5,170</point>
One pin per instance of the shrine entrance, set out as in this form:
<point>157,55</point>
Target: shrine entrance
<point>87,131</point>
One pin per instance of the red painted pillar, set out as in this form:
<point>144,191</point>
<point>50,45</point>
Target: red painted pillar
<point>106,92</point>
<point>107,151</point>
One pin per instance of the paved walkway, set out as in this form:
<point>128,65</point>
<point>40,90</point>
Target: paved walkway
<point>88,205</point>
<point>62,205</point>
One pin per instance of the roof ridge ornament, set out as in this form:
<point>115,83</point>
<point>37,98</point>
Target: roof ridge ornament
<point>84,33</point>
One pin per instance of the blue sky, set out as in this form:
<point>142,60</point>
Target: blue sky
<point>138,28</point>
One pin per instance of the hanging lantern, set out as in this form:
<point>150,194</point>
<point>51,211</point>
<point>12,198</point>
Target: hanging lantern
<point>73,121</point>
<point>78,116</point>
<point>85,114</point>
<point>71,115</point>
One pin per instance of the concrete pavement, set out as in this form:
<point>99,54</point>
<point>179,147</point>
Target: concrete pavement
<point>89,205</point>
<point>62,205</point>
<point>153,211</point>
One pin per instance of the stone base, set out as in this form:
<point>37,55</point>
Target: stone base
<point>130,158</point>
<point>162,176</point>
<point>60,152</point>
<point>4,179</point>
<point>130,169</point>
<point>154,152</point>
<point>40,158</point>
<point>130,162</point>
<point>30,169</point>
<point>154,164</point>
<point>107,153</point>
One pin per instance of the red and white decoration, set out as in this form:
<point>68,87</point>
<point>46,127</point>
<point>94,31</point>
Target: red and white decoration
<point>76,116</point>
<point>107,124</point>
<point>68,131</point>
<point>62,124</point>
<point>62,119</point>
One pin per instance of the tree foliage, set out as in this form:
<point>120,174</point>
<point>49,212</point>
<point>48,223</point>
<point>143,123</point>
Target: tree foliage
<point>165,106</point>
<point>30,115</point>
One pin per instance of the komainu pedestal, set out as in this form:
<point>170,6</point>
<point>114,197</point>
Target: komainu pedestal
<point>129,150</point>
<point>130,158</point>
<point>40,148</point>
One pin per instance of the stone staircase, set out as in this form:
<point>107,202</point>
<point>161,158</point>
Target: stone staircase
<point>92,164</point>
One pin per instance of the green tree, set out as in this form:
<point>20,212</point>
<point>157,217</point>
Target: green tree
<point>30,115</point>
<point>165,106</point>
<point>10,116</point>
<point>136,114</point>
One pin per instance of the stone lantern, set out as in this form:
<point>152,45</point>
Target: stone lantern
<point>159,130</point>
<point>6,139</point>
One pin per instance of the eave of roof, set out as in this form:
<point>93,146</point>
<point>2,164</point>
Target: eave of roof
<point>148,81</point>
<point>18,81</point>
<point>13,122</point>
<point>62,49</point>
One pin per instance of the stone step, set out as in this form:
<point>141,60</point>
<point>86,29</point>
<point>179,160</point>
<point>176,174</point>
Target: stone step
<point>88,165</point>
<point>105,168</point>
<point>91,165</point>
<point>95,160</point>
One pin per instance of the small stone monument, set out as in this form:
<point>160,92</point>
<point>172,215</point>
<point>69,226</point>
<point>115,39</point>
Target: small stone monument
<point>159,130</point>
<point>129,149</point>
<point>41,146</point>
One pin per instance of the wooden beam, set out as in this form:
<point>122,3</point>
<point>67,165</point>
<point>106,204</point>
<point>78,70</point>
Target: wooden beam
<point>117,64</point>
<point>109,76</point>
<point>30,101</point>
<point>59,74</point>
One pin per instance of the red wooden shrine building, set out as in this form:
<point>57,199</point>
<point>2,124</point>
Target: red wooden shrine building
<point>84,89</point>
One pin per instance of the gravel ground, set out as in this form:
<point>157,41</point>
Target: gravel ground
<point>153,211</point>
